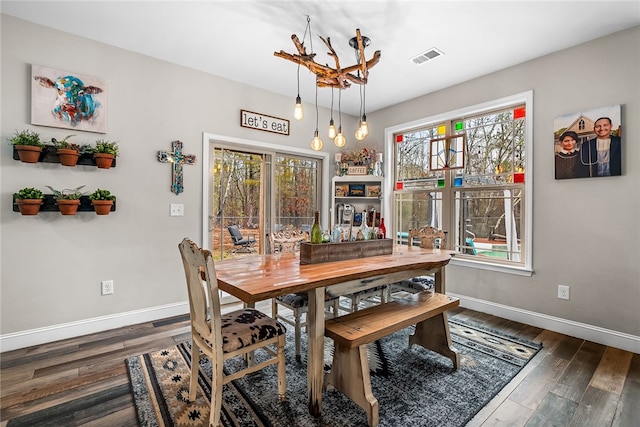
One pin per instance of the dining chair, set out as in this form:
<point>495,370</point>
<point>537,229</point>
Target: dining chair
<point>297,303</point>
<point>222,337</point>
<point>240,243</point>
<point>427,238</point>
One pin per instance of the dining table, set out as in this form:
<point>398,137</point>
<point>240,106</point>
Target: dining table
<point>255,278</point>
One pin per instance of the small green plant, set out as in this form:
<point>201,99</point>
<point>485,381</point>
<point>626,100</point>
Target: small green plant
<point>26,137</point>
<point>28,193</point>
<point>67,193</point>
<point>108,147</point>
<point>101,195</point>
<point>64,144</point>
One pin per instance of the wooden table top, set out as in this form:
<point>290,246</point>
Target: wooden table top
<point>260,277</point>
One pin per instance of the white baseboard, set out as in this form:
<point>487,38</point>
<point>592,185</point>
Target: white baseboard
<point>53,333</point>
<point>568,327</point>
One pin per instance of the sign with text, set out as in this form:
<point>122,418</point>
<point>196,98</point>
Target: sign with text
<point>249,119</point>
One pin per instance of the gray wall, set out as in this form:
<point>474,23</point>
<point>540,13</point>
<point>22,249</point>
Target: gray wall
<point>51,266</point>
<point>586,232</point>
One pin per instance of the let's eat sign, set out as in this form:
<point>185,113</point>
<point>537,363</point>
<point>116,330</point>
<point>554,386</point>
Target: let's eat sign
<point>263,122</point>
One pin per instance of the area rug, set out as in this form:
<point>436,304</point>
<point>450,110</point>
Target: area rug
<point>414,387</point>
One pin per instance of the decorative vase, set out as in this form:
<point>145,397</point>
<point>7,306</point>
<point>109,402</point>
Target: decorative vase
<point>29,206</point>
<point>68,207</point>
<point>102,207</point>
<point>103,160</point>
<point>68,157</point>
<point>29,153</point>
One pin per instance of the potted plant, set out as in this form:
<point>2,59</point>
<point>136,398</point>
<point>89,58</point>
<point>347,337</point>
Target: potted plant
<point>68,152</point>
<point>104,152</point>
<point>29,200</point>
<point>28,145</point>
<point>102,201</point>
<point>68,200</point>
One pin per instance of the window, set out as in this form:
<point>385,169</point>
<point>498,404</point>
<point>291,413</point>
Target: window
<point>484,205</point>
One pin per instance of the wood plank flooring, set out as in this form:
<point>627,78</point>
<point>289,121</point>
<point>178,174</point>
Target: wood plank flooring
<point>570,382</point>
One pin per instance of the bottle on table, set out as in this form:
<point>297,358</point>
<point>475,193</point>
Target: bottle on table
<point>382,230</point>
<point>316,231</point>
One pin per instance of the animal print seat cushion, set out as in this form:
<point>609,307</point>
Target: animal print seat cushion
<point>242,328</point>
<point>417,284</point>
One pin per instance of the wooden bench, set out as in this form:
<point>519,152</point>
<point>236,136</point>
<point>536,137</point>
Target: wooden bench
<point>350,370</point>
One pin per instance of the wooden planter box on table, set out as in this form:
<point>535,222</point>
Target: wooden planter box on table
<point>325,252</point>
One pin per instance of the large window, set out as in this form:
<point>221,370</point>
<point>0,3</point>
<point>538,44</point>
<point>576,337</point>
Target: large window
<point>482,205</point>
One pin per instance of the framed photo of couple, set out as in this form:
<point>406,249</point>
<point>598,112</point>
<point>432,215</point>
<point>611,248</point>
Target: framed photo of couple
<point>588,144</point>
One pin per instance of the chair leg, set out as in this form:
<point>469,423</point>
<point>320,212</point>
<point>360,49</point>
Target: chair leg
<point>282,377</point>
<point>195,370</point>
<point>298,332</point>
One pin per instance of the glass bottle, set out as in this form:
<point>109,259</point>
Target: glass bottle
<point>382,230</point>
<point>364,228</point>
<point>316,231</point>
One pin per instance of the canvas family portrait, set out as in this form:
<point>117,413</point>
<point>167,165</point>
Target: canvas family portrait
<point>588,144</point>
<point>65,99</point>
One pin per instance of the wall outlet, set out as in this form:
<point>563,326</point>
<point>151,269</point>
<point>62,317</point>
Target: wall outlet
<point>563,292</point>
<point>177,209</point>
<point>107,287</point>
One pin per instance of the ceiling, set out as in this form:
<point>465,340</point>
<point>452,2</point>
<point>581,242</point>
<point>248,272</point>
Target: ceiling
<point>237,39</point>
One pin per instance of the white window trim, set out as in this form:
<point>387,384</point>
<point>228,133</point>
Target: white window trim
<point>524,97</point>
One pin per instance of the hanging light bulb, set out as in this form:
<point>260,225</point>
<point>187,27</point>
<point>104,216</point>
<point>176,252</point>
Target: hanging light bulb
<point>340,140</point>
<point>359,135</point>
<point>298,113</point>
<point>316,142</point>
<point>332,127</point>
<point>364,126</point>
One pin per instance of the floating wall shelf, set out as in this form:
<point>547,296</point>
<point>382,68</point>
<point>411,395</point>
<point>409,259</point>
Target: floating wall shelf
<point>49,205</point>
<point>49,155</point>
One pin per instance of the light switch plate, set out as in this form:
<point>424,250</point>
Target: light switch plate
<point>177,209</point>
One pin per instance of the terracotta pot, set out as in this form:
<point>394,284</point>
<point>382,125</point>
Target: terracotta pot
<point>29,153</point>
<point>68,207</point>
<point>68,157</point>
<point>103,160</point>
<point>102,207</point>
<point>29,206</point>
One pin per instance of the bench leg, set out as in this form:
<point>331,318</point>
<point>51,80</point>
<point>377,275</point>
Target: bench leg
<point>350,374</point>
<point>433,333</point>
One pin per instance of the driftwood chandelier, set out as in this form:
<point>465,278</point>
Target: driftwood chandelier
<point>334,77</point>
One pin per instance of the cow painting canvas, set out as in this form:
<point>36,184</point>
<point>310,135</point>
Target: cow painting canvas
<point>68,100</point>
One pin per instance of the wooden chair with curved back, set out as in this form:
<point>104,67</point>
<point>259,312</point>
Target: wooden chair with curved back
<point>427,237</point>
<point>221,337</point>
<point>297,303</point>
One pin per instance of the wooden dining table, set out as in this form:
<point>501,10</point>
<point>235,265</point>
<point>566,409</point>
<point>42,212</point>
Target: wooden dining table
<point>260,277</point>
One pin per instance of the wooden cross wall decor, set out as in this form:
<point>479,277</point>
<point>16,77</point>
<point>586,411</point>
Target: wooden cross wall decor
<point>177,158</point>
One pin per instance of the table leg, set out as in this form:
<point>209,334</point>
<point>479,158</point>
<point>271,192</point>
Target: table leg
<point>315,349</point>
<point>439,285</point>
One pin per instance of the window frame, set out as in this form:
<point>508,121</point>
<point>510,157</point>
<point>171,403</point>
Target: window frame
<point>526,266</point>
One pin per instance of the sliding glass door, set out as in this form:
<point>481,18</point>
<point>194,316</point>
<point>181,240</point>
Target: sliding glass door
<point>260,192</point>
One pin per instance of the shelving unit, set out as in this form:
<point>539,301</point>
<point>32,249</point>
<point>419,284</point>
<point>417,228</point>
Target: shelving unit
<point>363,192</point>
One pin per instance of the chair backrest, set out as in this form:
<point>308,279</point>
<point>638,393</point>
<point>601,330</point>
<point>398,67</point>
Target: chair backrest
<point>427,236</point>
<point>204,299</point>
<point>236,235</point>
<point>286,241</point>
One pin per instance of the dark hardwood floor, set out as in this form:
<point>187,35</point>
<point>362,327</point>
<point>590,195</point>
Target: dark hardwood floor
<point>570,382</point>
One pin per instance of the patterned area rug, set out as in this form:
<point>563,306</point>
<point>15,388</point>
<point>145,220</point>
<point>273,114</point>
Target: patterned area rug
<point>414,387</point>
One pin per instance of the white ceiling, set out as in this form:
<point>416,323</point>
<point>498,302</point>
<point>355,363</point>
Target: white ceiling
<point>237,39</point>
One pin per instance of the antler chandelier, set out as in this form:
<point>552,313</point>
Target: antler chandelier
<point>336,78</point>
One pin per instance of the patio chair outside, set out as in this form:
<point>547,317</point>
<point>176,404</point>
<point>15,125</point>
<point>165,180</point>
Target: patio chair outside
<point>239,242</point>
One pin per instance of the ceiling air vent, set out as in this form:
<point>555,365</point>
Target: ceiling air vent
<point>426,56</point>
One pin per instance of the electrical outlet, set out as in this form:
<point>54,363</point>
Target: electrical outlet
<point>563,292</point>
<point>107,287</point>
<point>177,209</point>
